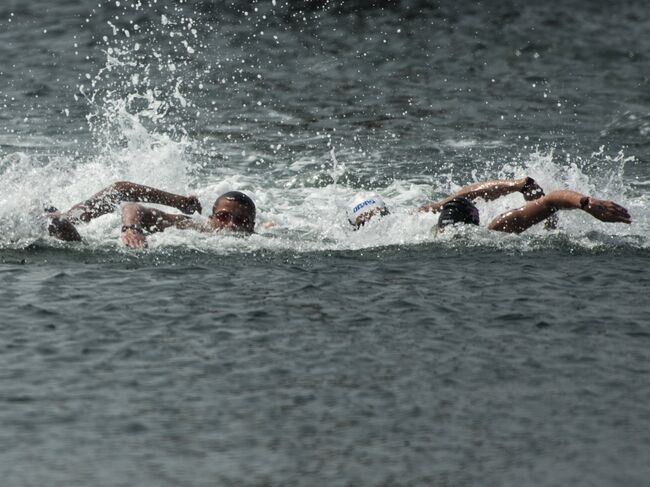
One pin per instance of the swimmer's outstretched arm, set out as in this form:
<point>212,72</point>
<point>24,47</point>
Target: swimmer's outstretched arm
<point>107,199</point>
<point>490,190</point>
<point>516,221</point>
<point>136,219</point>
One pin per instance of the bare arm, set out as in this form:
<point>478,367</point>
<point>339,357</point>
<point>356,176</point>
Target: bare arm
<point>516,221</point>
<point>490,190</point>
<point>138,218</point>
<point>106,201</point>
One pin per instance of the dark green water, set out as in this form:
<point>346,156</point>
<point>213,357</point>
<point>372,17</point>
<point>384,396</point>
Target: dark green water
<point>399,366</point>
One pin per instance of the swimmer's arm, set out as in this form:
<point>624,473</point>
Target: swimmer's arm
<point>107,199</point>
<point>138,218</point>
<point>490,190</point>
<point>516,221</point>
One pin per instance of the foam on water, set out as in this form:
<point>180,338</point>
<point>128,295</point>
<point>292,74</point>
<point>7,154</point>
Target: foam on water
<point>304,218</point>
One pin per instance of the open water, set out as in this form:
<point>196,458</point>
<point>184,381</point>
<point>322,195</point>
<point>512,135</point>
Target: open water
<point>309,354</point>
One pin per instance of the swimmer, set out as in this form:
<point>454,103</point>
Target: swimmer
<point>459,207</point>
<point>233,211</point>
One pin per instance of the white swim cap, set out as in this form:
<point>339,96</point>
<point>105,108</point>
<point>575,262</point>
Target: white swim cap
<point>365,204</point>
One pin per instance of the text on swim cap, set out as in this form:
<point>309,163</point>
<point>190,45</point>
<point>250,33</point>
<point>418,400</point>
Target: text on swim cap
<point>363,204</point>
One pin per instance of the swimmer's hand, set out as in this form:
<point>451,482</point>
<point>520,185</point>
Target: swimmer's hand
<point>133,237</point>
<point>605,210</point>
<point>531,190</point>
<point>191,205</point>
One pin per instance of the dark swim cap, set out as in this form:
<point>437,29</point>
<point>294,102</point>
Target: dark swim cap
<point>458,210</point>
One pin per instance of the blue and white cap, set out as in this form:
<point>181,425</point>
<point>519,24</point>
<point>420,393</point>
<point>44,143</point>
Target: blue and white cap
<point>362,204</point>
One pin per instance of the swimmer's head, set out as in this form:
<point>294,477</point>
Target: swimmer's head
<point>233,211</point>
<point>362,208</point>
<point>458,210</point>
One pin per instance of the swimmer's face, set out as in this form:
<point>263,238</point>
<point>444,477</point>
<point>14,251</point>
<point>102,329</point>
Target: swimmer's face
<point>228,214</point>
<point>365,217</point>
